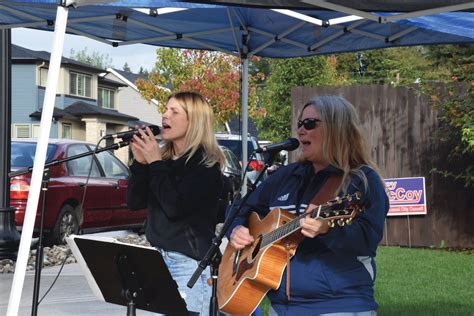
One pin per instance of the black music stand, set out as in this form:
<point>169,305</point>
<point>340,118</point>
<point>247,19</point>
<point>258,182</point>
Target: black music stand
<point>128,275</point>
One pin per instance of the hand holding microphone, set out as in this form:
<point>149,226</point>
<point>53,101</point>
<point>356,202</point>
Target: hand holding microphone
<point>145,148</point>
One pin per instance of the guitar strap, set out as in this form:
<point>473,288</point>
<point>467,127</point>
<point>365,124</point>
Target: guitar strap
<point>326,193</point>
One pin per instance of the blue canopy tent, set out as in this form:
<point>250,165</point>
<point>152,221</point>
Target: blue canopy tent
<point>316,27</point>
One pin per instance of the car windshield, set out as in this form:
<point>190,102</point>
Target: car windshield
<point>23,154</point>
<point>236,146</point>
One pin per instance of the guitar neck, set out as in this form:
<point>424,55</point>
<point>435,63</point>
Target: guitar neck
<point>324,209</point>
<point>284,230</point>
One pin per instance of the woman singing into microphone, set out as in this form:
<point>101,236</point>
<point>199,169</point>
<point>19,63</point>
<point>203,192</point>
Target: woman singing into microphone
<point>180,184</point>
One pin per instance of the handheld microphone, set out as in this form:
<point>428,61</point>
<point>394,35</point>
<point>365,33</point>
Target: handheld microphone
<point>289,145</point>
<point>128,135</point>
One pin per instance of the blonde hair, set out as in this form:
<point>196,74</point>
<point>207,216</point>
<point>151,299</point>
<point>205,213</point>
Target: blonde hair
<point>344,145</point>
<point>200,130</point>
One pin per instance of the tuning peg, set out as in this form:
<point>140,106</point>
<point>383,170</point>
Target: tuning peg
<point>338,200</point>
<point>349,221</point>
<point>340,222</point>
<point>331,223</point>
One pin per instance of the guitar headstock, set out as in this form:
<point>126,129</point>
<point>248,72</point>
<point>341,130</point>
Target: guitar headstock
<point>351,207</point>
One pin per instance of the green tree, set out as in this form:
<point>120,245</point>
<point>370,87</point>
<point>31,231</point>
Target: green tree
<point>400,66</point>
<point>126,67</point>
<point>143,71</point>
<point>285,74</point>
<point>95,59</point>
<point>456,109</point>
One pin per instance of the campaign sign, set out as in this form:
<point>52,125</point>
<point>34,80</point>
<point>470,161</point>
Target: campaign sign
<point>407,196</point>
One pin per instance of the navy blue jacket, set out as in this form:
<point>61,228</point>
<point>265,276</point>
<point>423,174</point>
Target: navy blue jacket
<point>334,272</point>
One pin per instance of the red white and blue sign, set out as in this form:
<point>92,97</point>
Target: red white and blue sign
<point>407,196</point>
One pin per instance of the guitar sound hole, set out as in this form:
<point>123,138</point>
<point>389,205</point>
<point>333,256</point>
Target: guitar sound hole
<point>257,248</point>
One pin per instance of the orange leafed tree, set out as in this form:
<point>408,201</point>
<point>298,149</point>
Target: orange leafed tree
<point>214,75</point>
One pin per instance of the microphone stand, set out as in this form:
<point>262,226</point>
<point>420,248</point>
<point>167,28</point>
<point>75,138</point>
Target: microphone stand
<point>46,176</point>
<point>39,246</point>
<point>213,252</point>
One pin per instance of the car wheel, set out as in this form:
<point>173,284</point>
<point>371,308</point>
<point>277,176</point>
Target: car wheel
<point>66,224</point>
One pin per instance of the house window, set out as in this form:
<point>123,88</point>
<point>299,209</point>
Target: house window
<point>35,129</point>
<point>67,131</point>
<point>106,98</point>
<point>21,130</point>
<point>80,84</point>
<point>43,76</point>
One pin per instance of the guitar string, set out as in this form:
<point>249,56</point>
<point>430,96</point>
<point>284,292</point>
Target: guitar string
<point>294,224</point>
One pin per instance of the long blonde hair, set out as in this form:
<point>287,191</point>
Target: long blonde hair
<point>200,130</point>
<point>344,145</point>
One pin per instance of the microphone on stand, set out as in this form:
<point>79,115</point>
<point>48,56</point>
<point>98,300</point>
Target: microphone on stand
<point>289,145</point>
<point>128,135</point>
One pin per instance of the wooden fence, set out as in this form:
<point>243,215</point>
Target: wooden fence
<point>400,125</point>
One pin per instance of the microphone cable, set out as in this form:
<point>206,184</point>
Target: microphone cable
<point>69,252</point>
<point>94,154</point>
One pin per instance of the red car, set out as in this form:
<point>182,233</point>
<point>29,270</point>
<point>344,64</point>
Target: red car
<point>103,199</point>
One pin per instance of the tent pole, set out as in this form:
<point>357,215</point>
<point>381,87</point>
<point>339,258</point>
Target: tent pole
<point>245,115</point>
<point>40,158</point>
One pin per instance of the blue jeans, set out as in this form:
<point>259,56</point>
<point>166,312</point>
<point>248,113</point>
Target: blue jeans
<point>182,268</point>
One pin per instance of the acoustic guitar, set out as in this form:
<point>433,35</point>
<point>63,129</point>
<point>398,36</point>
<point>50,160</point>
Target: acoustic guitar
<point>246,276</point>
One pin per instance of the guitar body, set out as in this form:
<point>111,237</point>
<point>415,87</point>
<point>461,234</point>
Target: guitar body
<point>247,275</point>
<point>243,283</point>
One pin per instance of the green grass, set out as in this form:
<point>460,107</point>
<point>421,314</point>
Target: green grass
<point>422,282</point>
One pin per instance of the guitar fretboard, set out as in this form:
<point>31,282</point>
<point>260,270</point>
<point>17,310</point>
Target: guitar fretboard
<point>293,225</point>
<point>290,227</point>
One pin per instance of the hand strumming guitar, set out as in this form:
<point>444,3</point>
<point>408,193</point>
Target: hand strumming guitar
<point>240,237</point>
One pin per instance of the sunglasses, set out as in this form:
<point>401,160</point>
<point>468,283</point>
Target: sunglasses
<point>309,123</point>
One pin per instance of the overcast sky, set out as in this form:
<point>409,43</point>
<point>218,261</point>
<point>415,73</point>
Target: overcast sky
<point>136,56</point>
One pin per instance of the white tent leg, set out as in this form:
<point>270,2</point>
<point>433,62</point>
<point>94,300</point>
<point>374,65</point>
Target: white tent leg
<point>245,115</point>
<point>40,158</point>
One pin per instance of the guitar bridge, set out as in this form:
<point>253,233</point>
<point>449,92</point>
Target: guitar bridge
<point>236,261</point>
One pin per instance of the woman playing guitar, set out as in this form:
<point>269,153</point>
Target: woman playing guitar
<point>333,269</point>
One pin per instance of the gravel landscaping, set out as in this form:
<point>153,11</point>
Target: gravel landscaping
<point>55,255</point>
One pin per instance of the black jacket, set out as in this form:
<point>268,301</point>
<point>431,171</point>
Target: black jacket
<point>182,200</point>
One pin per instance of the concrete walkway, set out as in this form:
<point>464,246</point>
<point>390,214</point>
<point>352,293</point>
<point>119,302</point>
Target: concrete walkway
<point>71,295</point>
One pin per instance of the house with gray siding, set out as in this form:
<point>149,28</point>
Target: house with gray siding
<point>131,101</point>
<point>87,104</point>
